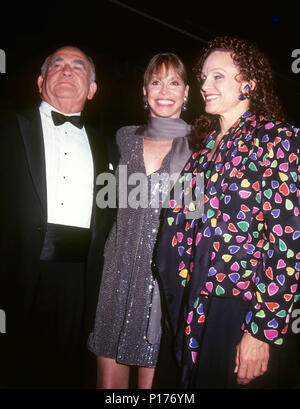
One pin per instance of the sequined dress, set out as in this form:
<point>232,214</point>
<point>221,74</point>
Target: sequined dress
<point>125,296</point>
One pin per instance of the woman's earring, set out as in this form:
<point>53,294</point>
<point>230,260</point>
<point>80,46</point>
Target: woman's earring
<point>184,105</point>
<point>246,93</point>
<point>146,105</point>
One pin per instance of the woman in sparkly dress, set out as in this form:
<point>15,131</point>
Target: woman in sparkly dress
<point>127,325</point>
<point>231,280</point>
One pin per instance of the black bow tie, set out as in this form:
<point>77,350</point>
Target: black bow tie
<point>60,119</point>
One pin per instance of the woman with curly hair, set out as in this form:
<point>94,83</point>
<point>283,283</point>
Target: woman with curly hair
<point>230,277</point>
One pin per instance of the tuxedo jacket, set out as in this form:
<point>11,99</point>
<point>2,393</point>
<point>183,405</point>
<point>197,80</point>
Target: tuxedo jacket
<point>24,214</point>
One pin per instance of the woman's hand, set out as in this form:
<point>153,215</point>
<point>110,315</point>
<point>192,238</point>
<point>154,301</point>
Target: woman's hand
<point>252,357</point>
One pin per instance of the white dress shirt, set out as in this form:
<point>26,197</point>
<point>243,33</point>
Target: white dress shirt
<point>69,171</point>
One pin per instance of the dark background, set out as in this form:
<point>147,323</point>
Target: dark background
<point>121,37</point>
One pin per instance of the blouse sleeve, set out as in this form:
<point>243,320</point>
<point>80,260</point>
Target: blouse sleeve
<point>277,282</point>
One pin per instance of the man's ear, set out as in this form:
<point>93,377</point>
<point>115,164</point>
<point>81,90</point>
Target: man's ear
<point>40,82</point>
<point>92,90</point>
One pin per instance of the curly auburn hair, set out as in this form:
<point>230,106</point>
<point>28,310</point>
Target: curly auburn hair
<point>253,65</point>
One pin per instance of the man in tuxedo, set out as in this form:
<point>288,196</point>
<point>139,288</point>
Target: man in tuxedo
<point>49,161</point>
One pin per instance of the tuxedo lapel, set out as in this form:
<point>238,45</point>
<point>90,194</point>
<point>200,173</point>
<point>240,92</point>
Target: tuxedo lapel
<point>98,153</point>
<point>100,165</point>
<point>31,130</point>
<point>32,133</point>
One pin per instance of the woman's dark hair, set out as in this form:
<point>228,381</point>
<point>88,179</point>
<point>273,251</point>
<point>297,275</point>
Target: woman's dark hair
<point>166,60</point>
<point>253,65</point>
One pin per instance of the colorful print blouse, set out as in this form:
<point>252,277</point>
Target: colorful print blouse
<point>247,243</point>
